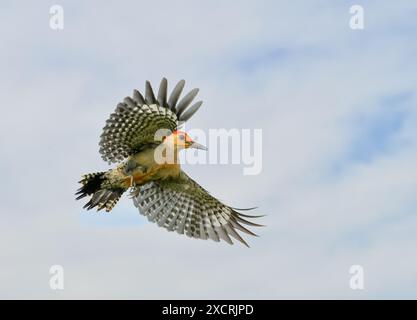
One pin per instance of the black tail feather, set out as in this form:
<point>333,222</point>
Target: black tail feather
<point>90,184</point>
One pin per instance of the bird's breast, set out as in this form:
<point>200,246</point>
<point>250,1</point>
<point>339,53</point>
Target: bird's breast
<point>154,170</point>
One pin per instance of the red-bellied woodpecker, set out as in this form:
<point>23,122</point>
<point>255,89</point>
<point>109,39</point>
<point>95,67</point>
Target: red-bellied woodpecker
<point>161,190</point>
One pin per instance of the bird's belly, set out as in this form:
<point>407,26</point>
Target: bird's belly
<point>157,172</point>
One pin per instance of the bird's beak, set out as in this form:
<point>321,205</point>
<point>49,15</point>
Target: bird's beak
<point>196,145</point>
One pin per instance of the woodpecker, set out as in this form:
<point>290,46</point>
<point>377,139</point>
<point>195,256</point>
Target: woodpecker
<point>140,128</point>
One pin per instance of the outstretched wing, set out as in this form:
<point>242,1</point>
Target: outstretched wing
<point>132,126</point>
<point>184,206</point>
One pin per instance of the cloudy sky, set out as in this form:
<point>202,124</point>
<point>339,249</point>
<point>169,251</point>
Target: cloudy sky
<point>338,112</point>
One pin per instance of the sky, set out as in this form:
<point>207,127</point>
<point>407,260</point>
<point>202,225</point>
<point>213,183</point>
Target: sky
<point>338,112</point>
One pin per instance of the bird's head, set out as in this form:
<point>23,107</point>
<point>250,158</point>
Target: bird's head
<point>181,140</point>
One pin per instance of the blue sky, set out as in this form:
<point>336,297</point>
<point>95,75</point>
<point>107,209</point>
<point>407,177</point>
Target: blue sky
<point>338,112</point>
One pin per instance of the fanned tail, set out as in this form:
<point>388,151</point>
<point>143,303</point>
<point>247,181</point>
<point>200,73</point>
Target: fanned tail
<point>102,196</point>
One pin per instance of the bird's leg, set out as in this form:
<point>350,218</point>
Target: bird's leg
<point>132,167</point>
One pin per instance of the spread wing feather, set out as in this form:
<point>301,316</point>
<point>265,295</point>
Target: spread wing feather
<point>132,126</point>
<point>182,205</point>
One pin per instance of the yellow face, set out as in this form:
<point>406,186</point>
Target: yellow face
<point>180,140</point>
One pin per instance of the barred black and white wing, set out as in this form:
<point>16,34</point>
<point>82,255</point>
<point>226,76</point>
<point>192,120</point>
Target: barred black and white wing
<point>132,126</point>
<point>183,206</point>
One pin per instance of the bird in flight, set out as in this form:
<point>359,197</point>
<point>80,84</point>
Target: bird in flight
<point>138,134</point>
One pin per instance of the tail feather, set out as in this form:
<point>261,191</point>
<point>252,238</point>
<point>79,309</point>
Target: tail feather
<point>90,184</point>
<point>102,196</point>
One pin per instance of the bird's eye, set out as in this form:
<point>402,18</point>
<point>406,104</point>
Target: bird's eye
<point>182,137</point>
